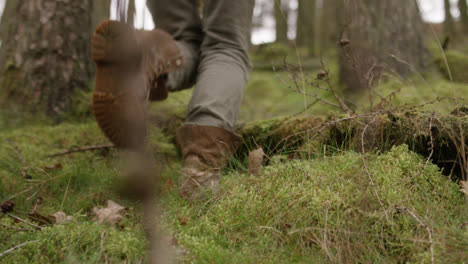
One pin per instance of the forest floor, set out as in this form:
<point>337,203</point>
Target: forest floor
<point>331,206</point>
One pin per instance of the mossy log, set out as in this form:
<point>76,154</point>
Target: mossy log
<point>440,137</point>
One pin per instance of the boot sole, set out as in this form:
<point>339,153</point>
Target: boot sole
<point>118,111</point>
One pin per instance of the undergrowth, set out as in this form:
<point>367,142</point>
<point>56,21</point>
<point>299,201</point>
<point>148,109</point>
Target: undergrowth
<point>337,206</point>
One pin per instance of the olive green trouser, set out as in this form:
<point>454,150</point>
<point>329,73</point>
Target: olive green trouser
<point>214,47</point>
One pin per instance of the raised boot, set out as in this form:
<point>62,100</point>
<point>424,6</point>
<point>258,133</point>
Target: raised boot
<point>131,66</point>
<point>205,151</point>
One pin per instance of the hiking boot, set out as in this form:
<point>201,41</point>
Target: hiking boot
<point>131,67</point>
<point>205,151</point>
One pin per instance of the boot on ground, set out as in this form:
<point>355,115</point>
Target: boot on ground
<point>205,151</point>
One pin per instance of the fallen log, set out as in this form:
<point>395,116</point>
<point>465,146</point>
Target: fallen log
<point>439,137</point>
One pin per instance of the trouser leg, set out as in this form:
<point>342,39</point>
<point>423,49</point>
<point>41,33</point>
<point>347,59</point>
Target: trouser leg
<point>181,19</point>
<point>224,64</point>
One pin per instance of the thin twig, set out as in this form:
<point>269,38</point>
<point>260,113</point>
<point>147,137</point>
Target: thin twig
<point>431,146</point>
<point>66,191</point>
<point>347,232</point>
<point>423,225</point>
<point>17,247</point>
<point>23,221</point>
<point>82,149</point>
<point>16,228</point>
<point>364,162</point>
<point>102,249</point>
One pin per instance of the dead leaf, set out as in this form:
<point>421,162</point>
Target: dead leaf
<point>255,161</point>
<point>112,214</point>
<point>53,167</point>
<point>25,174</point>
<point>61,217</point>
<point>40,219</point>
<point>173,241</point>
<point>464,187</point>
<point>183,220</point>
<point>7,206</point>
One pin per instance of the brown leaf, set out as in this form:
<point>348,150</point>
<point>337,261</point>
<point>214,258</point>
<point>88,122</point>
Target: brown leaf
<point>40,219</point>
<point>112,214</point>
<point>182,220</point>
<point>464,187</point>
<point>173,241</point>
<point>25,174</point>
<point>53,167</point>
<point>255,161</point>
<point>321,75</point>
<point>61,217</point>
<point>7,206</point>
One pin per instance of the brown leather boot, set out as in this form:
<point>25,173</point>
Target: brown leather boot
<point>205,151</point>
<point>131,66</point>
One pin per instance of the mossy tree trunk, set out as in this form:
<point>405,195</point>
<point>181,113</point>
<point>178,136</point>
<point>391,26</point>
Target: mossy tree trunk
<point>305,25</point>
<point>380,36</point>
<point>45,55</point>
<point>281,13</point>
<point>463,7</point>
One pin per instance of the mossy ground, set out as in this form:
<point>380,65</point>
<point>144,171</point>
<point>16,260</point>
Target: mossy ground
<point>324,208</point>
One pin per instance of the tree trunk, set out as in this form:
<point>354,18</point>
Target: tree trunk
<point>449,23</point>
<point>131,12</point>
<point>101,11</point>
<point>463,7</point>
<point>329,34</point>
<point>305,25</point>
<point>45,55</point>
<point>281,11</point>
<point>379,37</point>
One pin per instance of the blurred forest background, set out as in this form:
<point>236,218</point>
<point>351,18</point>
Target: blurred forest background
<point>356,38</point>
<point>359,105</point>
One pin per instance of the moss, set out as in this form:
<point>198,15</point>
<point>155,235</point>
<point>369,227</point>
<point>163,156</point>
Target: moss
<point>458,66</point>
<point>338,133</point>
<point>314,203</point>
<point>79,242</point>
<point>326,210</point>
<point>81,104</point>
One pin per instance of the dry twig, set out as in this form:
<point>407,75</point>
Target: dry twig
<point>429,231</point>
<point>364,162</point>
<point>23,221</point>
<point>16,228</point>
<point>82,149</point>
<point>16,247</point>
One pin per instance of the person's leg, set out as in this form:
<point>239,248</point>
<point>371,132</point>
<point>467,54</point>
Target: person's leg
<point>224,66</point>
<point>206,140</point>
<point>180,18</point>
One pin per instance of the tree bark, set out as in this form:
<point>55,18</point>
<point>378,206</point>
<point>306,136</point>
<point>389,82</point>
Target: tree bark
<point>449,23</point>
<point>379,37</point>
<point>305,25</point>
<point>329,34</point>
<point>463,7</point>
<point>45,55</point>
<point>281,11</point>
<point>131,12</point>
<point>101,11</point>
